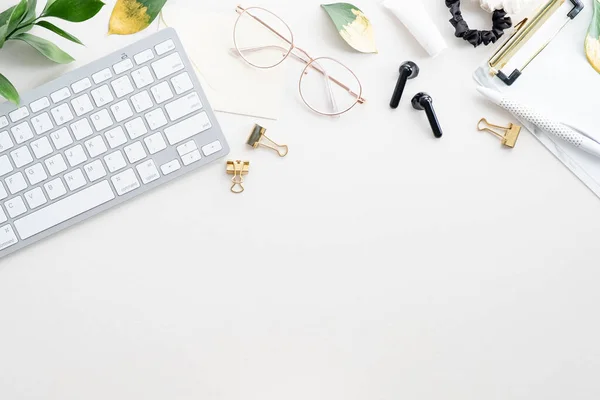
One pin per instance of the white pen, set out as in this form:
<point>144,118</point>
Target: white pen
<point>546,124</point>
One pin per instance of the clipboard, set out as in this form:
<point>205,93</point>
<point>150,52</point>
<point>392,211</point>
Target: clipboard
<point>560,82</point>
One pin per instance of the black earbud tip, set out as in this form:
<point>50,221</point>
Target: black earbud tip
<point>416,101</point>
<point>414,69</point>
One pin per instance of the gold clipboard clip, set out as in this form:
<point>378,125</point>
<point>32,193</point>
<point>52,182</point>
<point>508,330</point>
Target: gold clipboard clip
<point>238,169</point>
<point>509,134</point>
<point>524,31</point>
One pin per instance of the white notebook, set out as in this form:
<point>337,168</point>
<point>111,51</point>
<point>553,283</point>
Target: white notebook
<point>560,82</point>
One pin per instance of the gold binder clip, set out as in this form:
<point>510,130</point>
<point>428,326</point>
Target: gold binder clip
<point>258,138</point>
<point>238,169</point>
<point>510,133</point>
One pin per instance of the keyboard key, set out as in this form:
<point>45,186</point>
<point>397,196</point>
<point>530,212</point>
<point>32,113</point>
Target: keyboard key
<point>136,128</point>
<point>3,218</point>
<point>187,128</point>
<point>5,165</point>
<point>21,156</point>
<point>164,47</point>
<point>5,141</point>
<point>3,192</point>
<point>161,92</point>
<point>56,164</point>
<point>64,210</point>
<point>19,114</point>
<point>115,161</point>
<point>76,155</point>
<point>170,167</point>
<point>7,237</point>
<point>75,179</point>
<point>41,147</point>
<point>191,158</point>
<point>142,77</point>
<point>35,198</point>
<point>102,96</point>
<point>125,182</point>
<point>121,111</point>
<point>186,148</point>
<point>155,143</point>
<point>16,183</point>
<point>95,170</point>
<point>183,106</point>
<point>148,171</point>
<point>82,129</point>
<point>60,95</point>
<point>123,66</point>
<point>182,83</point>
<point>135,152</point>
<point>102,76</point>
<point>42,124</point>
<point>143,57</point>
<point>82,105</point>
<point>15,207</point>
<point>141,101</point>
<point>96,146</point>
<point>61,138</point>
<point>22,132</point>
<point>101,120</point>
<point>81,85</point>
<point>212,148</point>
<point>116,137</point>
<point>3,122</point>
<point>36,174</point>
<point>62,114</point>
<point>156,119</point>
<point>122,86</point>
<point>40,104</point>
<point>167,66</point>
<point>55,189</point>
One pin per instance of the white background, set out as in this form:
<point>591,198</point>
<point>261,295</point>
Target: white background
<point>374,262</point>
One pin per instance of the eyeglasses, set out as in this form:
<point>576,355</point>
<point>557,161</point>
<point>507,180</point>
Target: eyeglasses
<point>264,40</point>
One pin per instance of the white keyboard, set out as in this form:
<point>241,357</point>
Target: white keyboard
<point>101,135</point>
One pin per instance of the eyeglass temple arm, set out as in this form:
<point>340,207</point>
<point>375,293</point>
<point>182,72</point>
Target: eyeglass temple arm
<point>239,9</point>
<point>236,52</point>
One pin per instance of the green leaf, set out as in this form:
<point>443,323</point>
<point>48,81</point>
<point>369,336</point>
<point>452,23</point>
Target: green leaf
<point>48,4</point>
<point>5,15</point>
<point>30,14</point>
<point>3,33</point>
<point>73,10</point>
<point>4,22</point>
<point>58,31</point>
<point>17,15</point>
<point>354,27</point>
<point>8,91</point>
<point>132,16</point>
<point>10,21</point>
<point>47,48</point>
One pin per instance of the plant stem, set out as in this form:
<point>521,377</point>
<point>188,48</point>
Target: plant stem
<point>8,37</point>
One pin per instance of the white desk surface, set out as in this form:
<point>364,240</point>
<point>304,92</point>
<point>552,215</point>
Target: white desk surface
<point>374,262</point>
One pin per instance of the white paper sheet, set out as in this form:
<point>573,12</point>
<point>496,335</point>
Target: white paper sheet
<point>231,85</point>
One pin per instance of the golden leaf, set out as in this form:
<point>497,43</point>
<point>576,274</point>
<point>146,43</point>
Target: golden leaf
<point>128,17</point>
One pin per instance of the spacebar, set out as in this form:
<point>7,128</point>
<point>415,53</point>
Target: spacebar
<point>64,210</point>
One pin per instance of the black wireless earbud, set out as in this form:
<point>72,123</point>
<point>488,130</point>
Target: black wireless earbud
<point>408,70</point>
<point>423,101</point>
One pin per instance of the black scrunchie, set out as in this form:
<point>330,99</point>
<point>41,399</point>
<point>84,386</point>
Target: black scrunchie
<point>500,20</point>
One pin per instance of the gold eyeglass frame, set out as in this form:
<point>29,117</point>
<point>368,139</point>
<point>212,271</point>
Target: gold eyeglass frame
<point>303,57</point>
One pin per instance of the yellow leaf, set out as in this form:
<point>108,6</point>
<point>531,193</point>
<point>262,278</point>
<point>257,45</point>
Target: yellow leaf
<point>128,17</point>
